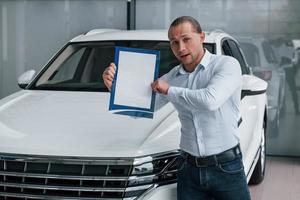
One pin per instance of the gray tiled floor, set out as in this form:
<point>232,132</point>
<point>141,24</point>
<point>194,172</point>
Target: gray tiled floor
<point>282,180</point>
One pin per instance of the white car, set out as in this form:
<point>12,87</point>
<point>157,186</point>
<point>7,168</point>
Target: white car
<point>59,141</point>
<point>262,59</point>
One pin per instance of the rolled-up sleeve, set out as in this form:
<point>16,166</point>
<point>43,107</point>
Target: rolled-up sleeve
<point>225,80</point>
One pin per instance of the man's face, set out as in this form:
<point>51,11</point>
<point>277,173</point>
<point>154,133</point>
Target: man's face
<point>187,45</point>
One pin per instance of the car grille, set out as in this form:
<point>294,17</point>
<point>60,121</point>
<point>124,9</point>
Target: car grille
<point>34,177</point>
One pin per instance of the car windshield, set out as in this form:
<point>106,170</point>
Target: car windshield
<point>79,66</point>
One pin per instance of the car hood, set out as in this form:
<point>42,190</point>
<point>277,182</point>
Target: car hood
<point>79,124</point>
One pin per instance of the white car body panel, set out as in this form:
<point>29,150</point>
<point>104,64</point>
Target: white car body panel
<point>249,130</point>
<point>43,122</point>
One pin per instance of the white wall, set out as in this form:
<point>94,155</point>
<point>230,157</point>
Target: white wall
<point>31,31</point>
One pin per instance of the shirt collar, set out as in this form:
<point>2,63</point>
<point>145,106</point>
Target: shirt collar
<point>205,59</point>
<point>203,64</point>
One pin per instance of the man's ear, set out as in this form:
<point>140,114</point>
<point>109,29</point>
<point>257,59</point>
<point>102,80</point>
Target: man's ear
<point>202,36</point>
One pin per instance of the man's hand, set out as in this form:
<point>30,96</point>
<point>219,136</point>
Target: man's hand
<point>160,86</point>
<point>108,75</point>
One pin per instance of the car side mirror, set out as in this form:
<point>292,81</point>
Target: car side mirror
<point>25,78</point>
<point>253,85</point>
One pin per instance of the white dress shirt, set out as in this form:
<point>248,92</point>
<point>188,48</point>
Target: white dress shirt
<point>207,101</point>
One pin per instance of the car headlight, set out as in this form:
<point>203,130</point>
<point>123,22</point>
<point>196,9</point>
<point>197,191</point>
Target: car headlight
<point>158,169</point>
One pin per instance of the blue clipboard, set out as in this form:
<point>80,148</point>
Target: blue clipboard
<point>133,110</point>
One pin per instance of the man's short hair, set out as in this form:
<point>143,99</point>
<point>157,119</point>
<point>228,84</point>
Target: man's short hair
<point>183,19</point>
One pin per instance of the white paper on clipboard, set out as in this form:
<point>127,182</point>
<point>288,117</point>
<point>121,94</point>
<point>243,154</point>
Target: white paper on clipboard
<point>136,70</point>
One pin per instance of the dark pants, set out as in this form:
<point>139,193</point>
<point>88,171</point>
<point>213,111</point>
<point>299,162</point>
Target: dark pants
<point>226,181</point>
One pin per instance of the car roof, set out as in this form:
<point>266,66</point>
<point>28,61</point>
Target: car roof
<point>249,39</point>
<point>157,35</point>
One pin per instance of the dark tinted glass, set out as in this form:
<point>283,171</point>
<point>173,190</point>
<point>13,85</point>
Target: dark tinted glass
<point>230,48</point>
<point>251,53</point>
<point>80,65</point>
<point>269,53</point>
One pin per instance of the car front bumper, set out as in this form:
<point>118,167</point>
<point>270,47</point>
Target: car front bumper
<point>166,192</point>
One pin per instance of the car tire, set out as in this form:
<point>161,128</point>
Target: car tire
<point>259,170</point>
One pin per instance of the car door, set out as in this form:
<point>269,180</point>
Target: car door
<point>249,132</point>
<point>271,59</point>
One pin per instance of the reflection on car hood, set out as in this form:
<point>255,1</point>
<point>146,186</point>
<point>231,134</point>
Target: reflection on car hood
<point>75,124</point>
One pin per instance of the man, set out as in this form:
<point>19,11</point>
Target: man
<point>205,89</point>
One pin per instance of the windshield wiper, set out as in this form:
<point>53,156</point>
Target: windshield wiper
<point>69,87</point>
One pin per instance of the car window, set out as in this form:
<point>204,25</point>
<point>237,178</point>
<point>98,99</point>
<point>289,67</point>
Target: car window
<point>251,53</point>
<point>230,48</point>
<point>80,65</point>
<point>67,72</point>
<point>211,47</point>
<point>269,53</point>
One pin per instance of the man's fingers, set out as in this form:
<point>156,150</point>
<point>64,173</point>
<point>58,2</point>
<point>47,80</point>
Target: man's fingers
<point>160,86</point>
<point>110,73</point>
<point>112,65</point>
<point>155,86</point>
<point>110,78</point>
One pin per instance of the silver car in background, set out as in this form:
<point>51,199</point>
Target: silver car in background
<point>263,61</point>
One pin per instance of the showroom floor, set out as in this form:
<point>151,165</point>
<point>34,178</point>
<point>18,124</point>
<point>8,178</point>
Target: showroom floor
<point>282,180</point>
